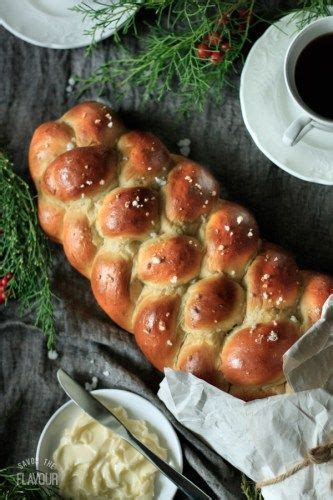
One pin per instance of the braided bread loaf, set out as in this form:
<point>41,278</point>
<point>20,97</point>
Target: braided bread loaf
<point>168,260</point>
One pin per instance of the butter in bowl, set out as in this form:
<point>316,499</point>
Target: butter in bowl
<point>94,462</point>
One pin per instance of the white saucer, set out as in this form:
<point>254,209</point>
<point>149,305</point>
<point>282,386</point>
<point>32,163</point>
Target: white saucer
<point>268,110</point>
<point>137,407</point>
<point>50,23</point>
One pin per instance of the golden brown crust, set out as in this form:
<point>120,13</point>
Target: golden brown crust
<point>232,237</point>
<point>79,173</point>
<point>213,304</point>
<point>111,282</point>
<point>144,159</point>
<point>77,240</point>
<point>317,287</point>
<point>94,124</point>
<point>51,218</point>
<point>252,356</point>
<point>251,393</point>
<point>50,140</point>
<point>191,191</point>
<point>199,357</point>
<point>167,258</point>
<point>129,212</point>
<point>155,329</point>
<point>272,279</point>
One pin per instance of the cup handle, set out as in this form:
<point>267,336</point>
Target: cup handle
<point>296,130</point>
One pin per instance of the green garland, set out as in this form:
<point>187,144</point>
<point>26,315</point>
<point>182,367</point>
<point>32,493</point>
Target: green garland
<point>24,251</point>
<point>170,58</point>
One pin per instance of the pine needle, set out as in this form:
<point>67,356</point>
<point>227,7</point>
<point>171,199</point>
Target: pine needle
<point>310,10</point>
<point>249,489</point>
<point>168,60</point>
<point>24,251</point>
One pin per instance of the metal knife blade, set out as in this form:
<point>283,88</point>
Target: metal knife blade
<point>104,416</point>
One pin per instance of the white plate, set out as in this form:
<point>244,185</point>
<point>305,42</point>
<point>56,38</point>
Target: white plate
<point>50,23</point>
<point>268,110</point>
<point>137,407</point>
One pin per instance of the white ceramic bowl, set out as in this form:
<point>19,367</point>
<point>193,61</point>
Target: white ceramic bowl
<point>138,408</point>
<point>52,24</point>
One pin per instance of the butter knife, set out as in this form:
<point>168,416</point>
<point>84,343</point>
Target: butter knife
<point>104,416</point>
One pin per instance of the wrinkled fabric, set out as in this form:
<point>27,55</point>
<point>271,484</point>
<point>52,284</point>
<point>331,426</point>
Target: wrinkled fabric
<point>293,213</point>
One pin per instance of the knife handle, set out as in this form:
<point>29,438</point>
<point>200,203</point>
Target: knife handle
<point>184,484</point>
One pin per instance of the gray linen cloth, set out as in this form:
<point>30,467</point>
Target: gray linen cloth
<point>293,213</point>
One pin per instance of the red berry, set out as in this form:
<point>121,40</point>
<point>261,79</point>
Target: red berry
<point>245,17</point>
<point>243,13</point>
<point>225,46</point>
<point>2,297</point>
<point>9,276</point>
<point>203,51</point>
<point>214,38</point>
<point>216,57</point>
<point>3,281</point>
<point>224,19</point>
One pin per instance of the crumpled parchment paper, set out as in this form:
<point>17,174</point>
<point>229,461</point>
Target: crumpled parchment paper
<point>266,437</point>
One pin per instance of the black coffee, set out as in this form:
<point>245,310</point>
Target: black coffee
<point>314,75</point>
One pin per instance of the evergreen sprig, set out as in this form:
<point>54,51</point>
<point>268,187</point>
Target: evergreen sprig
<point>309,10</point>
<point>168,59</point>
<point>24,251</point>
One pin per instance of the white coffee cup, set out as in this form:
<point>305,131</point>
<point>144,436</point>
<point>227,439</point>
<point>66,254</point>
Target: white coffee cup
<point>310,119</point>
